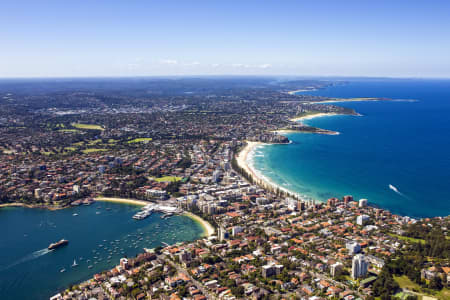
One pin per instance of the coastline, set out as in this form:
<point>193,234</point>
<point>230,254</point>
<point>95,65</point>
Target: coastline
<point>317,115</point>
<point>300,91</point>
<point>208,229</point>
<point>19,204</point>
<point>317,131</point>
<point>242,157</point>
<point>259,179</point>
<point>122,200</point>
<point>16,204</point>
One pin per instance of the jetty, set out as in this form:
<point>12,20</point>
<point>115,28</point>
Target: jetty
<point>148,209</point>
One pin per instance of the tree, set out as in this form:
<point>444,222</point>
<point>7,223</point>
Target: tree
<point>385,285</point>
<point>436,283</point>
<point>238,291</point>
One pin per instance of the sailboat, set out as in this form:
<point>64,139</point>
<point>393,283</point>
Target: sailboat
<point>74,263</point>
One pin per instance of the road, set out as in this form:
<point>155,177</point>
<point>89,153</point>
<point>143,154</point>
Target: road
<point>197,284</point>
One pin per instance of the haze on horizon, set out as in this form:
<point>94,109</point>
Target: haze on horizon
<point>154,38</point>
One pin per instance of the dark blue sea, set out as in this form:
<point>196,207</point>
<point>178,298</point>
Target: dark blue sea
<point>400,143</point>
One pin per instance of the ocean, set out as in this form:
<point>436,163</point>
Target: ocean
<point>399,143</point>
<point>101,233</point>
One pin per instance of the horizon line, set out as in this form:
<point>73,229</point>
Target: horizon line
<point>224,75</point>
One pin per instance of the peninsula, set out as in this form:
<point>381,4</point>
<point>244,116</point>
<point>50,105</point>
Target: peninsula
<point>190,151</point>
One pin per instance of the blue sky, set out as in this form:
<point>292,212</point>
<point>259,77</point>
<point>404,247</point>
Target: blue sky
<point>145,38</point>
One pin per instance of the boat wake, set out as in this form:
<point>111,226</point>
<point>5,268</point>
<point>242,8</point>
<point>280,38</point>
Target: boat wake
<point>26,258</point>
<point>397,191</point>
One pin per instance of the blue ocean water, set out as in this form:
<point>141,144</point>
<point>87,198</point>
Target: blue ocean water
<point>398,143</point>
<point>101,233</point>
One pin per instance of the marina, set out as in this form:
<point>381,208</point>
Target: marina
<point>148,209</point>
<point>96,242</point>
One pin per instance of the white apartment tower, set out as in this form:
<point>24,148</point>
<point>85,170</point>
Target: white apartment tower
<point>359,266</point>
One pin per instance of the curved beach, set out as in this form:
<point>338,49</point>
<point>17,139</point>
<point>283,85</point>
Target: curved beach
<point>123,200</point>
<point>244,157</point>
<point>207,227</point>
<point>312,116</point>
<point>243,161</point>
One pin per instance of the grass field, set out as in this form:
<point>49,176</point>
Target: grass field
<point>68,130</point>
<point>407,239</point>
<point>168,178</point>
<point>91,150</point>
<point>88,126</point>
<point>139,140</point>
<point>405,283</point>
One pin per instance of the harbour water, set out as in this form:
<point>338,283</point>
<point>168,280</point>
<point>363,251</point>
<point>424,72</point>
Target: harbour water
<point>99,235</point>
<point>399,143</point>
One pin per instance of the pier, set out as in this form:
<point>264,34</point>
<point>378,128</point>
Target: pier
<point>148,209</point>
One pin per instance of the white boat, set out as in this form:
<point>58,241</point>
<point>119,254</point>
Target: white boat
<point>75,214</point>
<point>62,270</point>
<point>74,263</point>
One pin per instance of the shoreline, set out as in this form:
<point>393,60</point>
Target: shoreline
<point>123,201</point>
<point>318,131</point>
<point>19,204</point>
<point>317,115</point>
<point>264,181</point>
<point>208,229</point>
<point>259,179</point>
<point>300,91</point>
<point>15,204</point>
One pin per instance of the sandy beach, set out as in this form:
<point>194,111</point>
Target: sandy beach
<point>298,91</point>
<point>312,116</point>
<point>207,227</point>
<point>123,200</point>
<point>40,206</point>
<point>15,204</point>
<point>242,161</point>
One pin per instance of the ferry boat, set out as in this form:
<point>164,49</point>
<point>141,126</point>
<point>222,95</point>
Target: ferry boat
<point>143,214</point>
<point>61,243</point>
